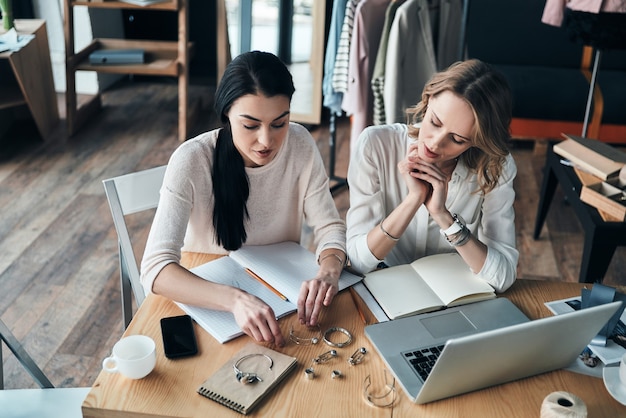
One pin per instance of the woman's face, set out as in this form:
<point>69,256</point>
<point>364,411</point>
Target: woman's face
<point>446,129</point>
<point>259,126</point>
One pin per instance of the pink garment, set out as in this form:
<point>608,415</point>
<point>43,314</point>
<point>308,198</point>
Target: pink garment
<point>554,9</point>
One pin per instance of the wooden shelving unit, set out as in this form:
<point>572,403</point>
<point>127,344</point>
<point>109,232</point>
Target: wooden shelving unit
<point>162,59</point>
<point>28,77</point>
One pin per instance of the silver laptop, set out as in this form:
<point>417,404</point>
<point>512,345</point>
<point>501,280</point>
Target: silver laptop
<point>478,345</point>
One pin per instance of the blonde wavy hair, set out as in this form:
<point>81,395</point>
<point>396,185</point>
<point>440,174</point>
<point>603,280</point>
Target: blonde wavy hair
<point>489,96</point>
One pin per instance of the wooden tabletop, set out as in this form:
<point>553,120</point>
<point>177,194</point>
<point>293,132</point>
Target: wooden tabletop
<point>170,390</point>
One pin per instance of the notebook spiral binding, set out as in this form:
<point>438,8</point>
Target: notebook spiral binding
<point>222,400</point>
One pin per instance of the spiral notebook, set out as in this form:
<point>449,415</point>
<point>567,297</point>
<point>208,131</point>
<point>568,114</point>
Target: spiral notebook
<point>223,386</point>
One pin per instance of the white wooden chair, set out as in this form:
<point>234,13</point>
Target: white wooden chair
<point>47,402</point>
<point>128,194</point>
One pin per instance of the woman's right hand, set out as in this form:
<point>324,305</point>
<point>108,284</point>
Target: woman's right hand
<point>416,187</point>
<point>257,319</point>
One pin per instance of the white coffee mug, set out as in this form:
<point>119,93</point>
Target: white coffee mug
<point>622,370</point>
<point>133,356</point>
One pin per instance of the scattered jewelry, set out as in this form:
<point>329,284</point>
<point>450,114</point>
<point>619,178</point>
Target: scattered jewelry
<point>333,330</point>
<point>358,356</point>
<point>385,400</point>
<point>324,357</point>
<point>335,374</point>
<point>306,341</point>
<point>309,373</point>
<point>246,377</point>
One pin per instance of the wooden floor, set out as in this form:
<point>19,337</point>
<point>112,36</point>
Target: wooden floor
<point>59,289</point>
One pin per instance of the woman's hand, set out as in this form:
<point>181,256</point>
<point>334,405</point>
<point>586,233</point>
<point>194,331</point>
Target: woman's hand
<point>257,319</point>
<point>417,187</point>
<point>321,290</point>
<point>430,175</point>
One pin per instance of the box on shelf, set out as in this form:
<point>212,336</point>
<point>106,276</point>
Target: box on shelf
<point>592,156</point>
<point>117,56</point>
<point>607,196</point>
<point>601,169</point>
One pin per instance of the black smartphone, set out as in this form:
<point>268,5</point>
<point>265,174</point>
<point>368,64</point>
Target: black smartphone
<point>179,338</point>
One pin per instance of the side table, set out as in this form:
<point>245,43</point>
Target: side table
<point>601,237</point>
<point>32,83</point>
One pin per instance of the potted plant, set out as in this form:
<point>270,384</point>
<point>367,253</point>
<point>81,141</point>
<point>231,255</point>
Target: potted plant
<point>6,7</point>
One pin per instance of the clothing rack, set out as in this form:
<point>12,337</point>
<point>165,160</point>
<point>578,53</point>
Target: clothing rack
<point>342,182</point>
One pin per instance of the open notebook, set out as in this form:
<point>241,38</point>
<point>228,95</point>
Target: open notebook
<point>427,284</point>
<point>284,266</point>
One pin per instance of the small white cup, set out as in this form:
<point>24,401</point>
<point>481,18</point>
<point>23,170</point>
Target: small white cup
<point>622,370</point>
<point>133,356</point>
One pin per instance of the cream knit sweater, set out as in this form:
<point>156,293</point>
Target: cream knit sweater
<point>285,194</point>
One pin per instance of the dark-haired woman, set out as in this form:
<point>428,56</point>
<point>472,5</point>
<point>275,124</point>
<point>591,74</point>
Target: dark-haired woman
<point>254,181</point>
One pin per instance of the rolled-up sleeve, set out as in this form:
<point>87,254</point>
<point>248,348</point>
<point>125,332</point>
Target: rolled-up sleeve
<point>497,231</point>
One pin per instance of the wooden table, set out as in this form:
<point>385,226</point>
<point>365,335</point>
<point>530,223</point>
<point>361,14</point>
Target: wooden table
<point>170,390</point>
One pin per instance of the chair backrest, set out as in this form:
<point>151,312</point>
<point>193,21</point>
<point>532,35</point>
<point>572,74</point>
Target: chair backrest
<point>128,194</point>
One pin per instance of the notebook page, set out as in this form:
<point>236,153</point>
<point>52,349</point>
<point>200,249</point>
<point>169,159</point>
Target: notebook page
<point>285,266</point>
<point>450,278</point>
<point>220,324</point>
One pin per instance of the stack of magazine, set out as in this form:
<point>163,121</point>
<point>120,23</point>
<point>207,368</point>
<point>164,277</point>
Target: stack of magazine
<point>612,352</point>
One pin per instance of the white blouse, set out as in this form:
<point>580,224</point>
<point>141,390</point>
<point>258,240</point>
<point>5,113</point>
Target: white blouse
<point>377,188</point>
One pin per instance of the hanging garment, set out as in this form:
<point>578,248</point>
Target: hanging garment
<point>378,75</point>
<point>332,98</point>
<point>553,11</point>
<point>450,40</point>
<point>340,72</point>
<point>410,60</point>
<point>358,99</point>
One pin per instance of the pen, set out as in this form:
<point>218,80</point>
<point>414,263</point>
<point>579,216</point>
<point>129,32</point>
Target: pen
<point>358,307</point>
<point>266,284</point>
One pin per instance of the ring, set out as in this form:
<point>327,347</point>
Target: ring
<point>305,341</point>
<point>309,373</point>
<point>337,329</point>
<point>246,377</point>
<point>335,374</point>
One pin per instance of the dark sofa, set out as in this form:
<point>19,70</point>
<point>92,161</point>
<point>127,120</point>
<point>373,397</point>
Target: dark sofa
<point>545,69</point>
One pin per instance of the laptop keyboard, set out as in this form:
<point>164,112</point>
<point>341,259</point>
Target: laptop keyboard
<point>424,359</point>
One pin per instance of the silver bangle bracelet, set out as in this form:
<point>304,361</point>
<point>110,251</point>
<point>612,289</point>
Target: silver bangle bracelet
<point>382,228</point>
<point>247,377</point>
<point>332,330</point>
<point>306,341</point>
<point>341,261</point>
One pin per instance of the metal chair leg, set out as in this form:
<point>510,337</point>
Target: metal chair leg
<point>22,356</point>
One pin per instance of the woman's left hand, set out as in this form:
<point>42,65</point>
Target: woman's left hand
<point>436,201</point>
<point>314,295</point>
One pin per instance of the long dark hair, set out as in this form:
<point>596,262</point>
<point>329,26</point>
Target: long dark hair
<point>254,73</point>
